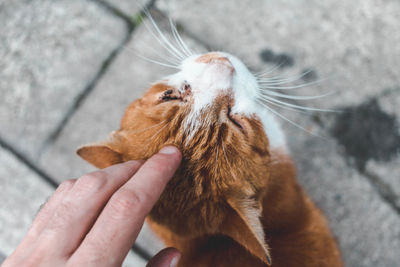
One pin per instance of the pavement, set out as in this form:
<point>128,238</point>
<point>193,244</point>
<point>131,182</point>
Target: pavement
<point>68,70</point>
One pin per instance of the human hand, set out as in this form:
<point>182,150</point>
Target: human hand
<point>94,220</point>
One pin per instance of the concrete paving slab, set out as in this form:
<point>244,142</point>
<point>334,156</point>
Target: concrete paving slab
<point>128,7</point>
<point>389,171</point>
<point>134,260</point>
<point>353,45</point>
<point>2,257</point>
<point>50,51</point>
<point>22,194</point>
<point>389,174</point>
<point>367,228</point>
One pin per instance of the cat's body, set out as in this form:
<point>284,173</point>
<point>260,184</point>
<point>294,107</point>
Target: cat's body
<point>295,230</point>
<point>235,200</point>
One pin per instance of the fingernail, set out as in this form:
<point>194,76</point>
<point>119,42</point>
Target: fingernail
<point>175,260</point>
<point>168,150</point>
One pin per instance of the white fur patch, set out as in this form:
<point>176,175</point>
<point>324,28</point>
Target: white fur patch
<point>209,80</point>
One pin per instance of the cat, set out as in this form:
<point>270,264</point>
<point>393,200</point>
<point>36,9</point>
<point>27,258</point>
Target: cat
<point>235,200</point>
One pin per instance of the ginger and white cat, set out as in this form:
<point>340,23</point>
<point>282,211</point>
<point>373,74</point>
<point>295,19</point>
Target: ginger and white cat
<point>234,201</point>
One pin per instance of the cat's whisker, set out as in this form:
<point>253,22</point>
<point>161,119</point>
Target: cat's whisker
<point>227,161</point>
<point>263,73</point>
<point>158,62</point>
<point>166,43</point>
<point>288,120</point>
<point>284,107</point>
<point>216,157</point>
<point>162,43</point>
<point>185,49</point>
<point>276,81</point>
<point>265,85</point>
<point>171,59</point>
<point>148,128</point>
<point>168,60</point>
<point>174,34</point>
<point>158,132</point>
<point>264,97</point>
<point>294,97</point>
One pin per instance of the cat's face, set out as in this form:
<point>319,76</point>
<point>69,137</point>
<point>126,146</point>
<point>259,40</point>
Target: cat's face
<point>209,110</point>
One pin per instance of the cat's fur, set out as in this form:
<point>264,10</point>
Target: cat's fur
<point>234,201</point>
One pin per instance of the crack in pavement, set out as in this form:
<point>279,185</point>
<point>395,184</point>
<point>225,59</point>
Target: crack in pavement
<point>82,96</point>
<point>27,162</point>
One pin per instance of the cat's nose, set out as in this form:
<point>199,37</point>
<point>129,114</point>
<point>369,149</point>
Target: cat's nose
<point>211,58</point>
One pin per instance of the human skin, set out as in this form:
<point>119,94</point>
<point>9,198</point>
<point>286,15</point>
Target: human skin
<point>94,220</point>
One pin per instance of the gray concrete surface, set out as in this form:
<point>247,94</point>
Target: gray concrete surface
<point>57,50</point>
<point>50,52</point>
<point>352,43</point>
<point>24,191</point>
<point>127,7</point>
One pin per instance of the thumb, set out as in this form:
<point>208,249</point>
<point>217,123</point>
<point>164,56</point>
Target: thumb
<point>168,257</point>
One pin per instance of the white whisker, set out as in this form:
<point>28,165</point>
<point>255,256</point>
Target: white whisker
<point>162,57</point>
<point>184,48</point>
<point>265,85</point>
<point>168,44</point>
<point>148,128</point>
<point>226,159</point>
<point>263,73</point>
<point>295,106</point>
<point>286,119</point>
<point>216,157</point>
<point>276,81</point>
<point>272,93</point>
<point>161,42</point>
<point>284,107</point>
<point>158,62</point>
<point>159,131</point>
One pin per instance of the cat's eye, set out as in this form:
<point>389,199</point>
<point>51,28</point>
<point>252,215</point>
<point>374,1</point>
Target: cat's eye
<point>170,95</point>
<point>233,119</point>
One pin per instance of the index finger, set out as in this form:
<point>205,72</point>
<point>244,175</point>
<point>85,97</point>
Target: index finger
<point>122,218</point>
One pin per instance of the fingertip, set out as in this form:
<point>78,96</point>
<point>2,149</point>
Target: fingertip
<point>168,257</point>
<point>172,152</point>
<point>169,150</point>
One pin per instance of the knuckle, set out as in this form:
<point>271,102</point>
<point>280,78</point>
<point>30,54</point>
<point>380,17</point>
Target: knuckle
<point>126,203</point>
<point>62,216</point>
<point>91,181</point>
<point>95,254</point>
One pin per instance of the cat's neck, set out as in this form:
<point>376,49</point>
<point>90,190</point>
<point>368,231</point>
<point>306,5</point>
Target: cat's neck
<point>285,205</point>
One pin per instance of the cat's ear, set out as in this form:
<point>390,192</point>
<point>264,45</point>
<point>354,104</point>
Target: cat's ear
<point>100,155</point>
<point>244,226</point>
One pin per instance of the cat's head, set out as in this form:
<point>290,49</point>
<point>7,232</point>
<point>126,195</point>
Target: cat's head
<point>209,110</point>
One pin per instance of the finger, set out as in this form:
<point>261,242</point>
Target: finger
<point>121,220</point>
<point>168,257</point>
<point>47,209</point>
<point>81,206</point>
<point>42,218</point>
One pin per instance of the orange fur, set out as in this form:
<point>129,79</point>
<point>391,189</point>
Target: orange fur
<point>233,201</point>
